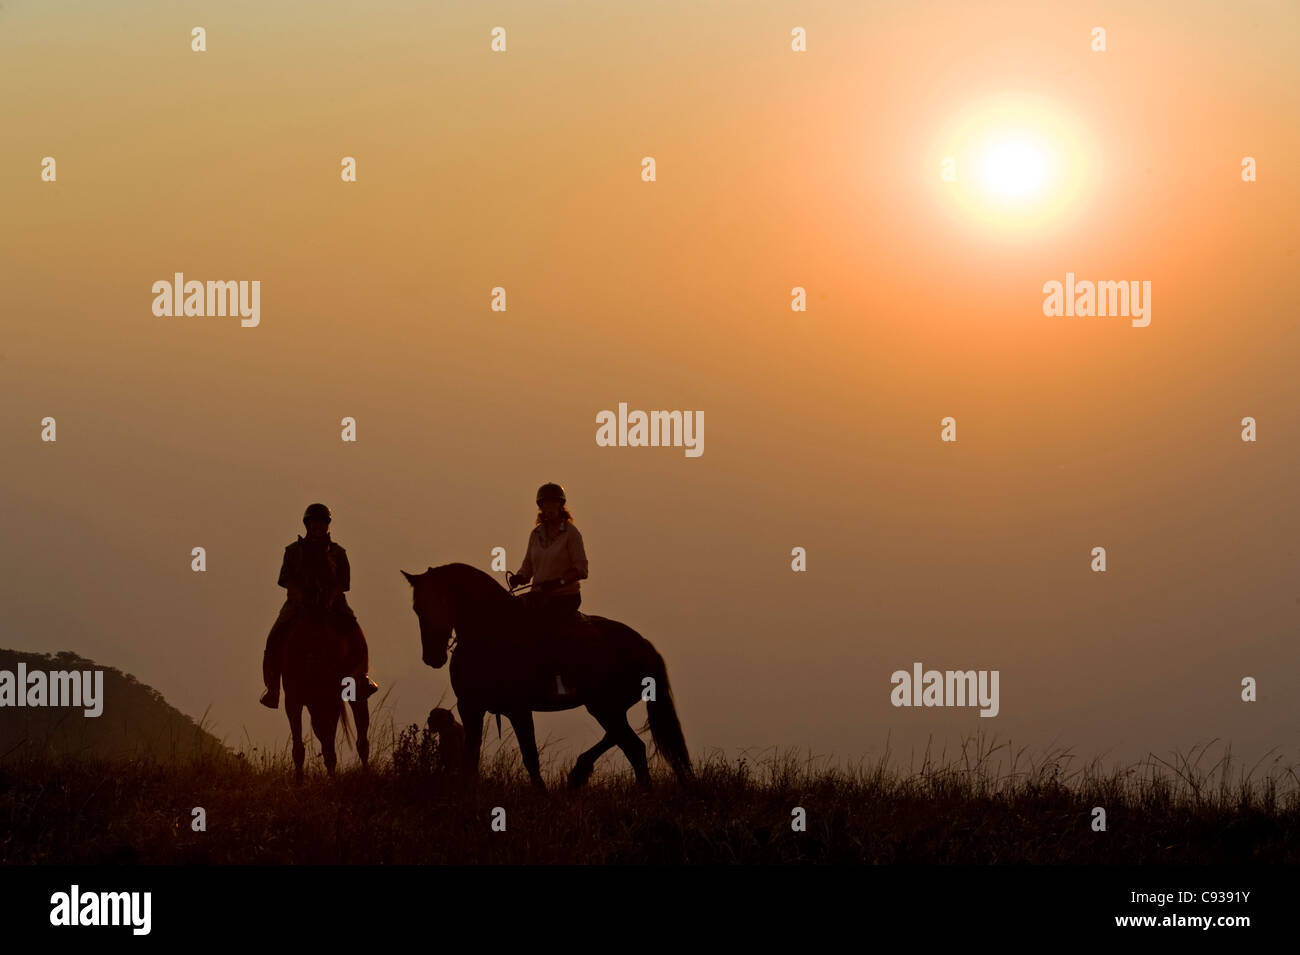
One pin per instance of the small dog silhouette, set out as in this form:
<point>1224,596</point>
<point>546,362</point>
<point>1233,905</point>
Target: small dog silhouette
<point>451,737</point>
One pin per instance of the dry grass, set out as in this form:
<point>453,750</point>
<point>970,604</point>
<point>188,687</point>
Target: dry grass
<point>984,804</point>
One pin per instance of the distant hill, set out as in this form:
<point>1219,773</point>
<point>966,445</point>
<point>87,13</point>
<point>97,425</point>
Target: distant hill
<point>136,720</point>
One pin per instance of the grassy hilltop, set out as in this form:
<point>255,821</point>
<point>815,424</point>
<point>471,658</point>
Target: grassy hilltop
<point>988,805</point>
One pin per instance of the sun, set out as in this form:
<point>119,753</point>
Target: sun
<point>1014,168</point>
<point>1015,163</point>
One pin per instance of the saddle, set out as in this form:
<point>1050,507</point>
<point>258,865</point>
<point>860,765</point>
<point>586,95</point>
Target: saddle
<point>576,624</point>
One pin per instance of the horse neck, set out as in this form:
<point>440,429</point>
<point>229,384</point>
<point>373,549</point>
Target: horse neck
<point>486,621</point>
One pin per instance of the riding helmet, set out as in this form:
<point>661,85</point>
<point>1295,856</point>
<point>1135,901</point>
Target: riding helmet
<point>550,492</point>
<point>316,511</point>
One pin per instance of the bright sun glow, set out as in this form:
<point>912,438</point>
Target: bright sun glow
<point>1014,168</point>
<point>1016,163</point>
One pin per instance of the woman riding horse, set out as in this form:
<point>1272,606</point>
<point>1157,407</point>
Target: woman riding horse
<point>554,555</point>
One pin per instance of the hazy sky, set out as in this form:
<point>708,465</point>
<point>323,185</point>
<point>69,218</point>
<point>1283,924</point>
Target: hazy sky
<point>775,169</point>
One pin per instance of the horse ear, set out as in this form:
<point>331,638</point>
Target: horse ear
<point>409,579</point>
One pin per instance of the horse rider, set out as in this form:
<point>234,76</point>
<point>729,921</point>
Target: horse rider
<point>555,557</point>
<point>315,570</point>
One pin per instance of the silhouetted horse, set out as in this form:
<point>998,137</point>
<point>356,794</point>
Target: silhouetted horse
<point>315,663</point>
<point>501,664</point>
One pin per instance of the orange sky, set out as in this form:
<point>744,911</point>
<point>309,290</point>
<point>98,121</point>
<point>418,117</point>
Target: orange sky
<point>775,170</point>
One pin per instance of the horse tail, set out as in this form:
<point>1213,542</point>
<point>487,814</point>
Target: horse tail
<point>665,727</point>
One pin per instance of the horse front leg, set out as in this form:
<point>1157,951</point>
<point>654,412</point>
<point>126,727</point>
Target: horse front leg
<point>522,721</point>
<point>472,718</point>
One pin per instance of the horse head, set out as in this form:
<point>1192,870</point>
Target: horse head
<point>433,605</point>
<point>455,596</point>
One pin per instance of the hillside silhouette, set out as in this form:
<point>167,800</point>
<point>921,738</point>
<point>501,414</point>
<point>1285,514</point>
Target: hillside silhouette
<point>136,721</point>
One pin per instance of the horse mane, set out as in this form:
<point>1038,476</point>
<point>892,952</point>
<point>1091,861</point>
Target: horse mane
<point>469,580</point>
<point>484,602</point>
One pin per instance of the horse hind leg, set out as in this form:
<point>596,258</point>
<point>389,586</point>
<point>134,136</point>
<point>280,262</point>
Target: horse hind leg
<point>294,709</point>
<point>361,716</point>
<point>621,732</point>
<point>325,726</point>
<point>582,769</point>
<point>634,749</point>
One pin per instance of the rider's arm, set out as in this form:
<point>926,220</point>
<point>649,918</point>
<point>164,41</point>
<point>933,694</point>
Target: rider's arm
<point>286,571</point>
<point>343,570</point>
<point>577,557</point>
<point>342,576</point>
<point>526,568</point>
<point>290,576</point>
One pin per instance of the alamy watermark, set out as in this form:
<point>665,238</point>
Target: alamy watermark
<point>84,688</point>
<point>1087,298</point>
<point>196,299</point>
<point>651,429</point>
<point>946,688</point>
<point>76,907</point>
